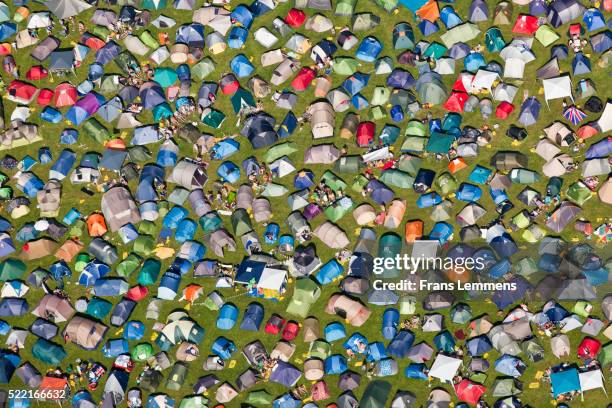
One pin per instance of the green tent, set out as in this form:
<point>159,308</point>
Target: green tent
<point>375,395</point>
<point>280,150</point>
<point>320,349</point>
<point>461,33</point>
<point>359,183</point>
<point>242,99</point>
<point>345,8</point>
<point>126,60</point>
<point>390,245</point>
<point>196,401</point>
<point>153,4</point>
<point>177,376</point>
<point>345,65</point>
<point>147,38</point>
<point>579,193</point>
<point>142,352</point>
<point>413,144</point>
<point>129,265</point>
<point>439,143</point>
<point>534,351</point>
<point>213,118</point>
<point>338,210</point>
<point>409,164</point>
<point>581,308</point>
<point>546,35</point>
<point>387,5</point>
<point>149,272</point>
<point>305,294</point>
<point>524,176</point>
<point>435,50</point>
<point>397,178</point>
<point>407,305</point>
<point>525,267</point>
<point>144,245</point>
<point>147,227</point>
<point>99,308</point>
<point>100,32</point>
<point>377,113</point>
<point>432,92</point>
<point>241,222</point>
<point>445,184</point>
<point>81,261</point>
<point>334,182</point>
<point>202,69</point>
<point>274,190</point>
<point>521,220</point>
<point>260,398</point>
<point>365,21</point>
<point>96,131</point>
<point>210,222</point>
<point>494,40</point>
<point>12,269</point>
<point>348,164</point>
<point>415,128</point>
<point>505,387</point>
<point>49,353</point>
<point>605,355</point>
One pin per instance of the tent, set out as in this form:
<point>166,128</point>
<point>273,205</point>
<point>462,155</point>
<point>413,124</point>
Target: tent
<point>557,87</point>
<point>445,368</point>
<point>376,394</point>
<point>564,381</point>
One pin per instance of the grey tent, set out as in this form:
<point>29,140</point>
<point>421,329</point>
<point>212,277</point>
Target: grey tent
<point>505,387</point>
<point>119,208</point>
<point>577,289</point>
<point>244,197</point>
<point>205,383</point>
<point>438,300</point>
<point>347,400</point>
<point>563,11</point>
<point>262,210</point>
<point>29,375</point>
<point>349,380</point>
<point>54,308</point>
<point>375,394</point>
<point>66,8</point>
<point>188,174</point>
<point>44,328</point>
<point>247,379</point>
<point>122,311</point>
<point>84,332</point>
<point>218,241</point>
<point>403,399</point>
<point>116,386</point>
<point>61,61</point>
<point>44,48</point>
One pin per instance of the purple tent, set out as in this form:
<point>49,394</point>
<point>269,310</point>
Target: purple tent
<point>537,7</point>
<point>311,211</point>
<point>505,298</point>
<point>530,111</point>
<point>379,192</point>
<point>400,79</point>
<point>151,95</point>
<point>285,374</point>
<point>603,148</point>
<point>459,50</point>
<point>109,52</point>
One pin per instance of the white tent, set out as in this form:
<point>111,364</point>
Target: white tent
<point>39,20</point>
<point>445,368</point>
<point>483,80</point>
<point>591,380</point>
<point>605,121</point>
<point>514,68</point>
<point>378,154</point>
<point>570,323</point>
<point>265,37</point>
<point>558,87</point>
<point>282,167</point>
<point>504,92</point>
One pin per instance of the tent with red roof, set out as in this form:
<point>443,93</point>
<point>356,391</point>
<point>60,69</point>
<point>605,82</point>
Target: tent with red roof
<point>295,18</point>
<point>504,110</point>
<point>45,96</point>
<point>589,348</point>
<point>303,79</point>
<point>469,391</point>
<point>36,73</point>
<point>365,133</point>
<point>21,92</point>
<point>65,95</point>
<point>456,101</point>
<point>525,24</point>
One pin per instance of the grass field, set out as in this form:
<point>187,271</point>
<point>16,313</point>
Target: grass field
<point>593,210</point>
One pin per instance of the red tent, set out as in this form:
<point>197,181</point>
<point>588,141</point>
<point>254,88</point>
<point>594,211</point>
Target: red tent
<point>36,73</point>
<point>45,96</point>
<point>295,18</point>
<point>587,131</point>
<point>469,391</point>
<point>525,24</point>
<point>274,324</point>
<point>456,101</point>
<point>92,42</point>
<point>65,95</point>
<point>365,133</point>
<point>504,110</point>
<point>21,92</point>
<point>462,79</point>
<point>5,49</point>
<point>229,84</point>
<point>290,331</point>
<point>588,348</point>
<point>137,293</point>
<point>303,79</point>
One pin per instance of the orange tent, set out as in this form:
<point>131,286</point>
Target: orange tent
<point>54,388</point>
<point>429,11</point>
<point>192,292</point>
<point>5,49</point>
<point>118,144</point>
<point>414,230</point>
<point>456,164</point>
<point>587,131</point>
<point>96,225</point>
<point>69,250</point>
<point>458,274</point>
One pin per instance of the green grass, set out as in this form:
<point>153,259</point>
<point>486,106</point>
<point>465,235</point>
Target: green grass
<point>73,197</point>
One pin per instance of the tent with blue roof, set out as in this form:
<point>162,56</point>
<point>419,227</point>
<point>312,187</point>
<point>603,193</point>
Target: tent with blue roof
<point>334,331</point>
<point>93,271</point>
<point>357,343</point>
<point>162,111</point>
<point>168,285</point>
<point>474,61</point>
<point>428,28</point>
<point>468,192</point>
<point>449,17</point>
<point>237,37</point>
<point>110,287</point>
<point>445,342</point>
<point>581,64</point>
<point>228,315</point>
<point>416,371</point>
<point>335,364</point>
<point>564,381</point>
<point>191,34</point>
<point>601,42</point>
<point>223,348</point>
<point>369,49</point>
<point>242,16</point>
<point>7,30</point>
<point>428,200</point>
<point>478,11</point>
<point>241,66</point>
<point>376,351</point>
<point>133,330</point>
<point>390,323</point>
<point>478,346</point>
<point>594,19</point>
<point>253,317</point>
<point>185,231</point>
<point>503,245</point>
<point>441,231</point>
<point>224,149</point>
<point>403,37</point>
<point>229,172</point>
<point>356,83</point>
<point>285,374</point>
<point>329,272</point>
<point>167,155</point>
<point>510,365</point>
<point>400,345</point>
<point>530,111</point>
<point>115,347</point>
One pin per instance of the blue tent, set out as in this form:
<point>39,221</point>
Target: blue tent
<point>428,28</point>
<point>357,343</point>
<point>390,323</point>
<point>191,34</point>
<point>237,37</point>
<point>445,342</point>
<point>183,72</point>
<point>7,30</point>
<point>596,277</point>
<point>261,7</point>
<point>594,19</point>
<point>401,343</point>
<point>556,313</point>
<point>95,71</point>
<point>224,149</point>
<point>8,365</point>
<point>389,135</point>
<point>478,346</point>
<point>416,371</point>
<point>223,348</point>
<point>162,111</point>
<point>241,15</point>
<point>459,50</point>
<point>564,381</point>
<point>69,136</point>
<point>469,192</point>
<point>286,401</point>
<point>549,263</point>
<point>449,17</point>
<point>376,351</point>
<point>474,61</point>
<point>93,271</point>
<point>400,78</point>
<point>115,347</point>
<point>110,287</point>
<point>253,316</point>
<point>510,365</point>
<point>334,332</point>
<point>288,126</point>
<point>169,284</point>
<point>62,165</point>
<point>538,7</point>
<point>51,115</point>
<point>380,193</point>
<point>271,233</point>
<point>174,216</point>
<point>428,200</point>
<point>505,298</point>
<point>303,179</point>
<point>285,374</point>
<point>500,269</point>
<point>369,49</point>
<point>603,148</point>
<point>228,315</point>
<point>229,172</point>
<point>503,245</point>
<point>397,114</point>
<point>530,111</point>
<point>581,64</point>
<point>413,5</point>
<point>355,83</point>
<point>241,66</point>
<point>479,175</point>
<point>441,231</point>
<point>12,307</point>
<point>360,102</point>
<point>185,231</point>
<point>329,272</point>
<point>167,155</point>
<point>134,330</point>
<point>335,364</point>
<point>77,115</point>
